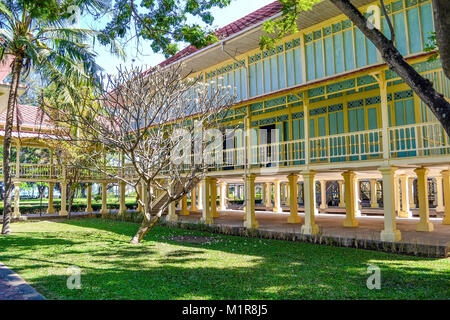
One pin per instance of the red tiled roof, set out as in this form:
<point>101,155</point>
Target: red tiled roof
<point>30,116</point>
<point>232,28</point>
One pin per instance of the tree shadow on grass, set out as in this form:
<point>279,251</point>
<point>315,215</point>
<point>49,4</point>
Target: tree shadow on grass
<point>232,268</point>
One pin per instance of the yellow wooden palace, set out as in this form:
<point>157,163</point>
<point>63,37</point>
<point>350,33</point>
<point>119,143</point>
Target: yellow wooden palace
<point>349,130</point>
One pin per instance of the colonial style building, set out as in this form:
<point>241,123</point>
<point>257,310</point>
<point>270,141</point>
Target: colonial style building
<point>351,134</point>
<point>347,125</point>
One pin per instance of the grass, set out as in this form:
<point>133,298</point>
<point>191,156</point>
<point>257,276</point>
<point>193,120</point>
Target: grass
<point>227,268</point>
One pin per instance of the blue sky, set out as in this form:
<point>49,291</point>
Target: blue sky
<point>236,10</point>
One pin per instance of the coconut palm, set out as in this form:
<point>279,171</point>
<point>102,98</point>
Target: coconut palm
<point>37,35</point>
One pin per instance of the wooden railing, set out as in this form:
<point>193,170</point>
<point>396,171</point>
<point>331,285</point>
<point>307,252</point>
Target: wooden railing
<point>424,139</point>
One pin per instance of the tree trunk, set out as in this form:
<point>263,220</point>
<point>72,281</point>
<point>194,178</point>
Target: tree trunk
<point>441,11</point>
<point>421,86</point>
<point>145,227</point>
<point>17,65</point>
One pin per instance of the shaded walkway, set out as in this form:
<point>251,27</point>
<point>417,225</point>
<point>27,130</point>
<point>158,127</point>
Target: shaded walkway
<point>13,287</point>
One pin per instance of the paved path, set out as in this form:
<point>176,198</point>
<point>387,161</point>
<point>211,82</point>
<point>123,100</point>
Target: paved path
<point>13,287</point>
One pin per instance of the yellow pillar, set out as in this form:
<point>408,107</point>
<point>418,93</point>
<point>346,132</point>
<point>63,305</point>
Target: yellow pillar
<point>89,199</point>
<point>104,210</point>
<point>439,195</point>
<point>184,206</point>
<point>16,212</point>
<point>207,216</point>
<point>293,199</point>
<point>373,193</point>
<point>446,185</point>
<point>351,205</point>
<point>250,221</point>
<point>309,194</point>
<point>123,206</point>
<point>223,195</point>
<point>390,232</point>
<point>63,211</point>
<point>200,195</point>
<point>213,193</point>
<point>268,195</point>
<point>194,199</point>
<point>51,208</point>
<point>397,195</point>
<point>422,190</point>
<point>323,194</point>
<point>411,193</point>
<point>341,193</point>
<point>277,197</point>
<point>404,212</point>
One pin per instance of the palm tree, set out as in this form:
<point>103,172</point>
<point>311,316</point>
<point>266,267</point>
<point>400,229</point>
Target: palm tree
<point>38,37</point>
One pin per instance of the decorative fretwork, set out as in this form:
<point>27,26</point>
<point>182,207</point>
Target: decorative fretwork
<point>398,5</point>
<point>346,24</point>
<point>337,27</point>
<point>403,94</point>
<point>316,92</point>
<point>327,31</point>
<point>267,121</point>
<point>308,37</point>
<point>292,98</point>
<point>356,104</point>
<point>298,115</point>
<point>340,86</point>
<point>256,106</point>
<point>373,100</point>
<point>283,118</point>
<point>275,102</point>
<point>365,80</point>
<point>316,111</point>
<point>296,42</point>
<point>410,3</point>
<point>288,45</point>
<point>280,49</point>
<point>335,107</point>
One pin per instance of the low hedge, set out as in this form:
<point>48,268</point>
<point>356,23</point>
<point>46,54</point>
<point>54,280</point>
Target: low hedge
<point>34,209</point>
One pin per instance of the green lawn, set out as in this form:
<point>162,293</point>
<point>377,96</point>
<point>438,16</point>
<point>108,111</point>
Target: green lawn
<point>227,268</point>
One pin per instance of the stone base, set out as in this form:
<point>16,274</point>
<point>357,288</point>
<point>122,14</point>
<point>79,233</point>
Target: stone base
<point>50,210</point>
<point>278,210</point>
<point>63,213</point>
<point>350,223</point>
<point>425,227</point>
<point>184,213</point>
<point>251,224</point>
<point>310,229</point>
<point>391,236</point>
<point>294,219</point>
<point>405,214</point>
<point>206,220</point>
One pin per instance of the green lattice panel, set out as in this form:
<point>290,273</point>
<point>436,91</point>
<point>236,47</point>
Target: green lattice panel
<point>296,42</point>
<point>335,107</point>
<point>355,103</point>
<point>283,118</point>
<point>316,111</point>
<point>403,95</point>
<point>316,92</point>
<point>274,102</point>
<point>308,37</point>
<point>365,80</point>
<point>298,115</point>
<point>410,3</point>
<point>396,6</point>
<point>373,100</point>
<point>341,86</point>
<point>256,106</point>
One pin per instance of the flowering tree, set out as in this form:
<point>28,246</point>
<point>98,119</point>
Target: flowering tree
<point>157,129</point>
